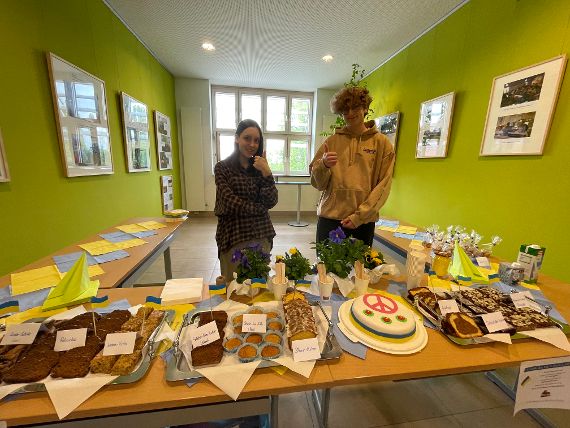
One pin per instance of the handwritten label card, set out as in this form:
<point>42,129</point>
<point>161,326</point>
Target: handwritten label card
<point>306,350</point>
<point>254,323</point>
<point>69,339</point>
<point>120,343</point>
<point>483,262</point>
<point>205,334</point>
<point>494,321</point>
<point>21,334</point>
<point>447,306</point>
<point>520,301</point>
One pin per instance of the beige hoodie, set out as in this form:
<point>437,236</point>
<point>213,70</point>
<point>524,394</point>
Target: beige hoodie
<point>359,184</point>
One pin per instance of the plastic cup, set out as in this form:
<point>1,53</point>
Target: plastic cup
<point>279,289</point>
<point>361,285</point>
<point>325,288</point>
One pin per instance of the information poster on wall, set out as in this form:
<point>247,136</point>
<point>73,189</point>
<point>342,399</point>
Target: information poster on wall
<point>167,192</point>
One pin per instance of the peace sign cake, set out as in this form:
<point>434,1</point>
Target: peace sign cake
<point>382,318</point>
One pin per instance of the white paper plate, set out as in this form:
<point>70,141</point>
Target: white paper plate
<point>416,344</point>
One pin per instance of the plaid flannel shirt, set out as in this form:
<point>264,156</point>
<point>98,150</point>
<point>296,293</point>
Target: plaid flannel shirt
<point>243,201</point>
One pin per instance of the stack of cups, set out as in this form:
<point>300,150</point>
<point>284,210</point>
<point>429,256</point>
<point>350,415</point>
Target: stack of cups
<point>326,287</point>
<point>279,282</point>
<point>415,267</point>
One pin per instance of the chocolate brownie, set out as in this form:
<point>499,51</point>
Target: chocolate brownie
<point>76,361</point>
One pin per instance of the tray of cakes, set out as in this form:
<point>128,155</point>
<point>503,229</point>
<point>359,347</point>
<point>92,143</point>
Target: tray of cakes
<point>467,327</point>
<point>293,319</point>
<point>38,362</point>
<point>382,322</point>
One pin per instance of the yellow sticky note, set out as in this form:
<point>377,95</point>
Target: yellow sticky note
<point>97,248</point>
<point>35,279</point>
<point>95,270</point>
<point>387,228</point>
<point>151,225</point>
<point>130,243</point>
<point>408,230</point>
<point>130,228</point>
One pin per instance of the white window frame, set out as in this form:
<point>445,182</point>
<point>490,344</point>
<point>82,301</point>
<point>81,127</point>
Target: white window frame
<point>287,134</point>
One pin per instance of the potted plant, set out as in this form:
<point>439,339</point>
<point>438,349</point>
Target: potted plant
<point>296,265</point>
<point>339,253</point>
<point>253,265</point>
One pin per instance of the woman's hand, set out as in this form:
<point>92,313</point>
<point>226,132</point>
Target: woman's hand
<point>260,163</point>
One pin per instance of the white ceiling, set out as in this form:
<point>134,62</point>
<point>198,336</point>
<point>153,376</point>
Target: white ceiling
<point>277,44</point>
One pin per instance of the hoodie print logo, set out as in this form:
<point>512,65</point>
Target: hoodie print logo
<point>369,151</point>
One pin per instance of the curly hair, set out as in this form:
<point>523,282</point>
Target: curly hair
<point>353,96</point>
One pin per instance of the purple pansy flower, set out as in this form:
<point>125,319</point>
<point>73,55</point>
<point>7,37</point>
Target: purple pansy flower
<point>236,256</point>
<point>337,235</point>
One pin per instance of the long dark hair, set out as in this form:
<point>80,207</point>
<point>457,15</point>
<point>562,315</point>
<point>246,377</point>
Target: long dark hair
<point>234,157</point>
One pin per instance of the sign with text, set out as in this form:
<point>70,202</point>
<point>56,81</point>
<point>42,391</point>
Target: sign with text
<point>544,384</point>
<point>524,300</point>
<point>205,334</point>
<point>21,334</point>
<point>447,306</point>
<point>494,321</point>
<point>120,343</point>
<point>69,339</point>
<point>483,262</point>
<point>254,323</point>
<point>306,350</point>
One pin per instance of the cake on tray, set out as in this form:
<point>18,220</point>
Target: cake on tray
<point>382,318</point>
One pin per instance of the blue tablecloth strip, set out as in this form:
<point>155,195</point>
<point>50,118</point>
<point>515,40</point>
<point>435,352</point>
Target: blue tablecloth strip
<point>117,236</point>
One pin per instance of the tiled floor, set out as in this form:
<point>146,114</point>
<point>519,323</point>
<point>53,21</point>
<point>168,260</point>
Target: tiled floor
<point>451,401</point>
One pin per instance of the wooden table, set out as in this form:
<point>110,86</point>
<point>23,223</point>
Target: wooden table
<point>123,272</point>
<point>153,401</point>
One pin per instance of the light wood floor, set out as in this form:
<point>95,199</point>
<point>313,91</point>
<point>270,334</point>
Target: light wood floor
<point>451,401</point>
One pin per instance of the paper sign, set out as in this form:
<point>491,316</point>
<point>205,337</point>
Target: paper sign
<point>483,262</point>
<point>544,384</point>
<point>120,343</point>
<point>205,334</point>
<point>254,323</point>
<point>306,350</point>
<point>520,301</point>
<point>494,321</point>
<point>447,306</point>
<point>69,339</point>
<point>21,334</point>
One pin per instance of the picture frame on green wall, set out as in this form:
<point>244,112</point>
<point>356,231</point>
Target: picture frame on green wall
<point>435,126</point>
<point>389,125</point>
<point>135,129</point>
<point>167,193</point>
<point>80,106</point>
<point>521,107</point>
<point>163,140</point>
<point>4,171</point>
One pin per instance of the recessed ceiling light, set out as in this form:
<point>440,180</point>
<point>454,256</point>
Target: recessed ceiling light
<point>208,46</point>
<point>327,58</point>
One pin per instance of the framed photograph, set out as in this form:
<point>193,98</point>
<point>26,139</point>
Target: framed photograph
<point>388,125</point>
<point>80,105</point>
<point>167,192</point>
<point>434,127</point>
<point>163,140</point>
<point>520,109</point>
<point>137,143</point>
<point>4,171</point>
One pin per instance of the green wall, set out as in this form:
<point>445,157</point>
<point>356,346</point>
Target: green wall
<point>524,199</point>
<point>40,209</point>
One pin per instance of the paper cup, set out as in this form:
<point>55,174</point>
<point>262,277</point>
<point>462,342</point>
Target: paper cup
<point>325,288</point>
<point>279,290</point>
<point>361,285</point>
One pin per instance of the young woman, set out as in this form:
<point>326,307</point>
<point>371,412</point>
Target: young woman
<point>353,168</point>
<point>245,191</point>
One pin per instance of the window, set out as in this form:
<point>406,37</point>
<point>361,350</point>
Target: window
<point>284,117</point>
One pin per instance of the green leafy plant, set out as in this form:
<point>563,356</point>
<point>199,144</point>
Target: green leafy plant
<point>339,253</point>
<point>296,266</point>
<point>252,262</point>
